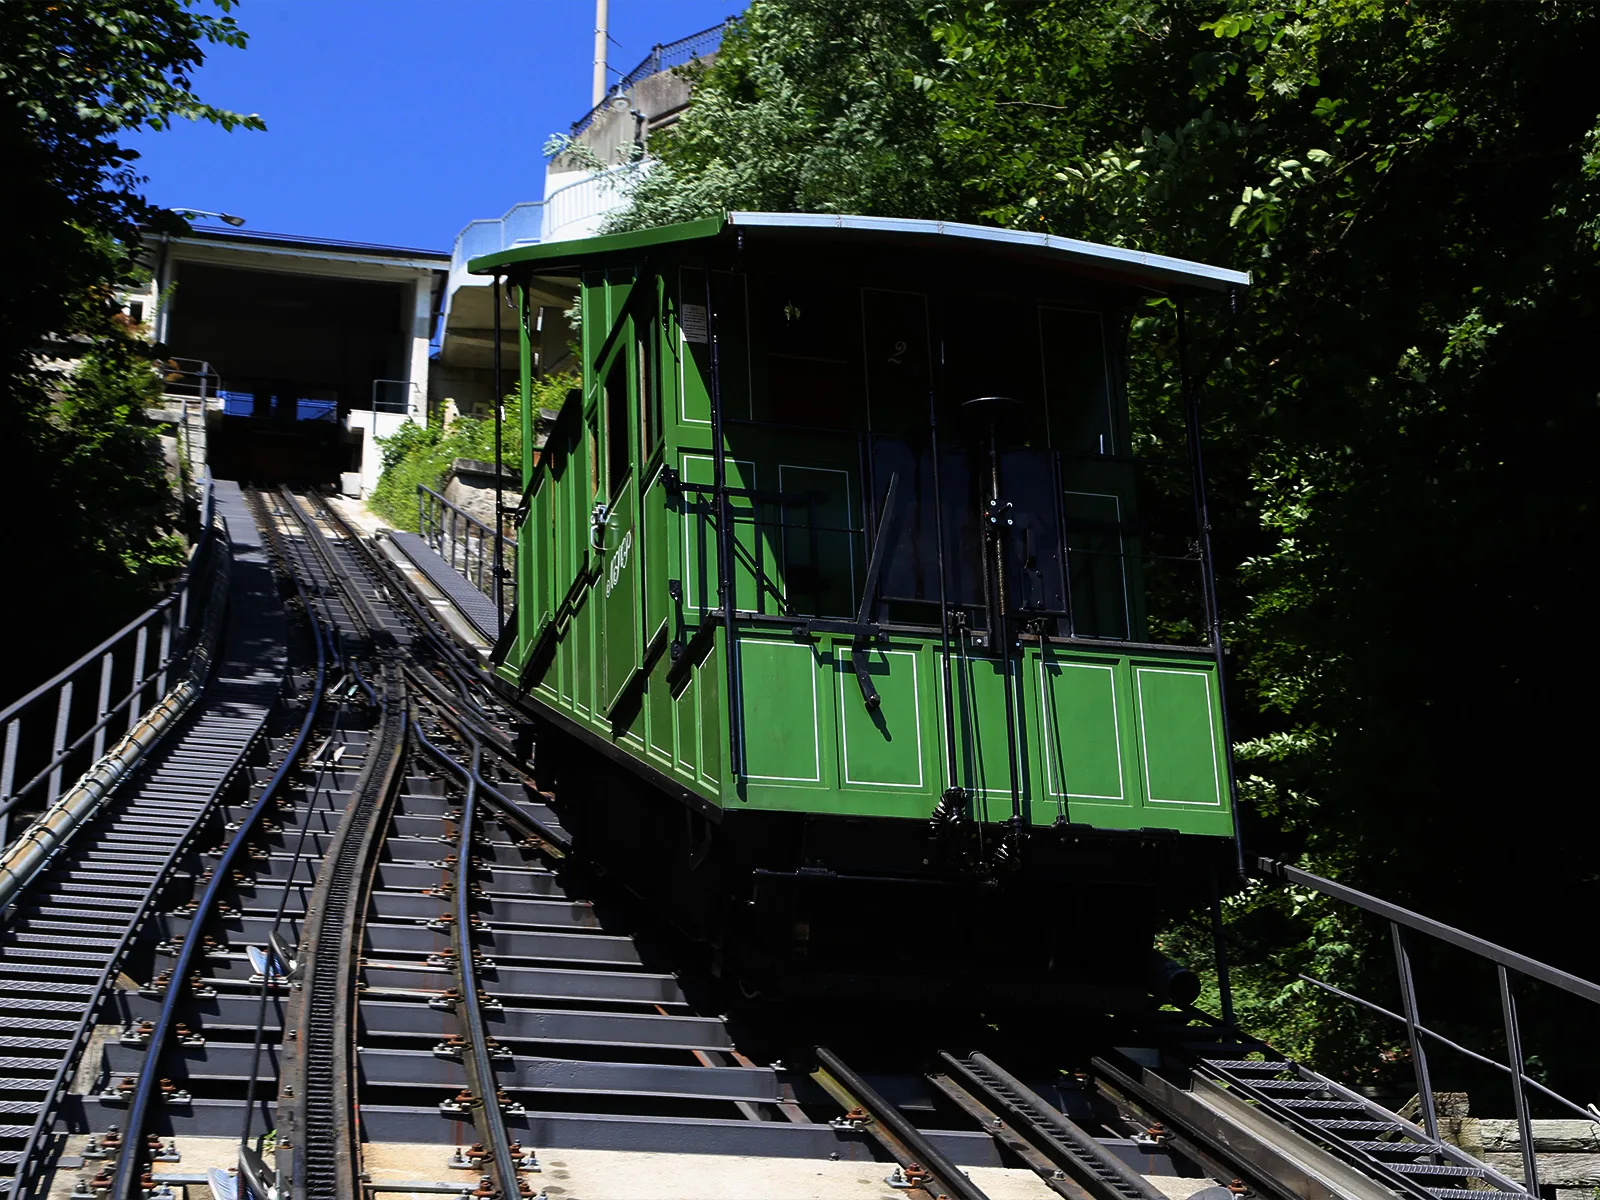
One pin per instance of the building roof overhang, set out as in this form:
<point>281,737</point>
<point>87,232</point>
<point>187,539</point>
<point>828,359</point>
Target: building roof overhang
<point>308,251</point>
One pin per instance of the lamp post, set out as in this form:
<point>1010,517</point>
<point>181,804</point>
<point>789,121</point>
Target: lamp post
<point>161,260</point>
<point>225,218</point>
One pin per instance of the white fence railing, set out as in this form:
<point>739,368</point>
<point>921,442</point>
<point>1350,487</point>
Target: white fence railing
<point>571,210</point>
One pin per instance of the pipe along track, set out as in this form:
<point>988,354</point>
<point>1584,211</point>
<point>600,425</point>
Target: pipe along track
<point>424,955</point>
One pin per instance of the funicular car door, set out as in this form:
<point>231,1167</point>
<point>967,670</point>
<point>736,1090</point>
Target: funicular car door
<point>615,532</point>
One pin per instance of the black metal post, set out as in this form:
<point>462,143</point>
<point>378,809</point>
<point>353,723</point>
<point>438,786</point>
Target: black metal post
<point>1058,478</point>
<point>1220,949</point>
<point>1519,1094</point>
<point>952,784</point>
<point>725,546</point>
<point>1208,578</point>
<point>499,492</point>
<point>1419,1057</point>
<point>1000,625</point>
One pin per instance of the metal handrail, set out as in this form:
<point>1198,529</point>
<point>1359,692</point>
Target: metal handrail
<point>662,57</point>
<point>32,1160</point>
<point>407,406</point>
<point>192,377</point>
<point>1505,961</point>
<point>464,541</point>
<point>78,736</point>
<point>1572,1106</point>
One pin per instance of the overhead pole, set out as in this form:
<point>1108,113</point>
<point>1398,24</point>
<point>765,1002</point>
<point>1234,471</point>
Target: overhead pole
<point>499,490</point>
<point>601,36</point>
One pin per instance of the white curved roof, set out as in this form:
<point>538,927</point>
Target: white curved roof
<point>1157,267</point>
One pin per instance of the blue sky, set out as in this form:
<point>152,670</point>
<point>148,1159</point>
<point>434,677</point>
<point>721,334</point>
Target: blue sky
<point>396,121</point>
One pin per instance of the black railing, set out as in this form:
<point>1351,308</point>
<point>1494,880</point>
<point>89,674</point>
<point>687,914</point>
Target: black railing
<point>1401,922</point>
<point>50,736</point>
<point>661,58</point>
<point>1085,575</point>
<point>394,396</point>
<point>466,543</point>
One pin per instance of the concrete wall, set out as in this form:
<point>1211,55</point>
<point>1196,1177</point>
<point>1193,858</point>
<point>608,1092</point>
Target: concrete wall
<point>471,389</point>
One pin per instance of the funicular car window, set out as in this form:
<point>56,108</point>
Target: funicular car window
<point>812,338</point>
<point>898,359</point>
<point>911,570</point>
<point>1083,428</point>
<point>1022,393</point>
<point>1076,383</point>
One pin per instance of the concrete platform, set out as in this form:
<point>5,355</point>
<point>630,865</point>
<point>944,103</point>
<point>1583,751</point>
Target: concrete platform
<point>617,1175</point>
<point>611,1175</point>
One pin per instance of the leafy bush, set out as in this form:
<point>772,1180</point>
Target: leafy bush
<point>416,455</point>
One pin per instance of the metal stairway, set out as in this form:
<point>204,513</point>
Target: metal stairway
<point>63,938</point>
<point>1386,1146</point>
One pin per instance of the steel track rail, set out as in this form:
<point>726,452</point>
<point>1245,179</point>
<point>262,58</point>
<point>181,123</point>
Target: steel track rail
<point>875,1116</point>
<point>1007,1136</point>
<point>134,1159</point>
<point>355,602</point>
<point>318,1144</point>
<point>450,708</point>
<point>318,1139</point>
<point>1101,1173</point>
<point>1213,1151</point>
<point>555,844</point>
<point>476,1056</point>
<point>455,659</point>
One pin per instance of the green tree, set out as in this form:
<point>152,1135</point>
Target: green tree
<point>75,76</point>
<point>809,106</point>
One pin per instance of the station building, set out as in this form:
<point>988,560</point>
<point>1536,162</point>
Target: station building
<point>289,357</point>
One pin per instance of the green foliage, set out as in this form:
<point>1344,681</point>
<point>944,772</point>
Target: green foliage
<point>75,75</point>
<point>416,455</point>
<point>1399,420</point>
<point>126,509</point>
<point>810,106</point>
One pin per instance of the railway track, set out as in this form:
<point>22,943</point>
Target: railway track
<point>448,966</point>
<point>389,945</point>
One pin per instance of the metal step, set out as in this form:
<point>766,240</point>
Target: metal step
<point>1399,1164</point>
